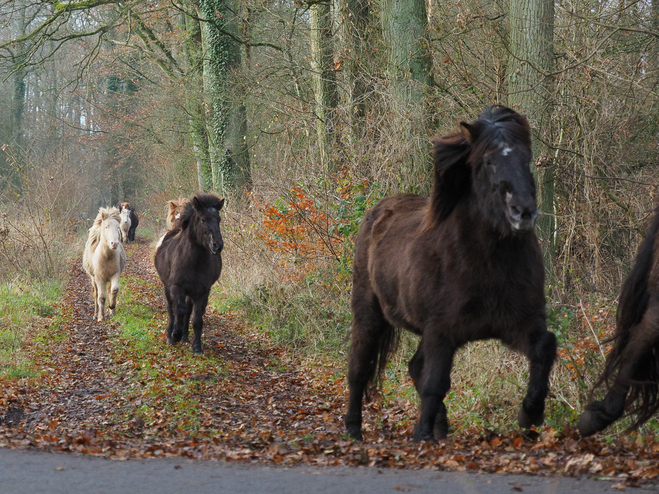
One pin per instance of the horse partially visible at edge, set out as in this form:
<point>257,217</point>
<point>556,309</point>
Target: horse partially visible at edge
<point>460,266</point>
<point>188,262</point>
<point>631,372</point>
<point>103,260</point>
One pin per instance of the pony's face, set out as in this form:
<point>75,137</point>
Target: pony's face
<point>511,188</point>
<point>111,233</point>
<point>209,220</point>
<point>125,216</point>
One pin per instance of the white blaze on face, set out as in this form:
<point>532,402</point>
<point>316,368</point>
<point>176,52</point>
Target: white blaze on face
<point>506,151</point>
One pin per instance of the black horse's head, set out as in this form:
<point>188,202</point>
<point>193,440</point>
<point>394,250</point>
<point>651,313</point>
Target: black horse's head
<point>489,158</point>
<point>204,213</point>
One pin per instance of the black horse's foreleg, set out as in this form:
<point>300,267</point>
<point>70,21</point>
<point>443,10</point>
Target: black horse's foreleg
<point>436,359</point>
<point>415,367</point>
<point>171,317</point>
<point>186,322</point>
<point>198,321</point>
<point>179,308</point>
<point>541,352</point>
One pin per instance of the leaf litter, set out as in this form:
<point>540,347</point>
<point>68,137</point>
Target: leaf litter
<point>249,400</point>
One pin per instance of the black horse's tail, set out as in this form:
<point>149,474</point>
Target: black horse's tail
<point>643,398</point>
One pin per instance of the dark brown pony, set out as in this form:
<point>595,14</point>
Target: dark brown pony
<point>631,372</point>
<point>188,262</point>
<point>460,266</point>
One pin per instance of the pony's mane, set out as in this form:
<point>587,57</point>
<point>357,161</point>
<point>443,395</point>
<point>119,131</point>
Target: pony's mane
<point>643,398</point>
<point>207,200</point>
<point>95,229</point>
<point>452,153</point>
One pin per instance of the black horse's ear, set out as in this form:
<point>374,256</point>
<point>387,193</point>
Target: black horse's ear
<point>221,204</point>
<point>119,206</point>
<point>197,203</point>
<point>468,131</point>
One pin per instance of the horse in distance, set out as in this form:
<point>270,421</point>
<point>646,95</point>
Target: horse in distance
<point>460,266</point>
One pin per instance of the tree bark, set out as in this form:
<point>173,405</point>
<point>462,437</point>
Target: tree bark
<point>324,86</point>
<point>530,92</point>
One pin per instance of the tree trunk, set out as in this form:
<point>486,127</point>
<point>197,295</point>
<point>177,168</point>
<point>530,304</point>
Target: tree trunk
<point>323,80</point>
<point>530,92</point>
<point>404,24</point>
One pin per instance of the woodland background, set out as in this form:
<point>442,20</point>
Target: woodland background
<point>305,114</point>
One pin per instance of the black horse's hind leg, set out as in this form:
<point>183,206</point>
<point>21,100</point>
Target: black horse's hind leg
<point>368,328</point>
<point>198,321</point>
<point>600,414</point>
<point>415,367</point>
<point>434,359</point>
<point>540,349</point>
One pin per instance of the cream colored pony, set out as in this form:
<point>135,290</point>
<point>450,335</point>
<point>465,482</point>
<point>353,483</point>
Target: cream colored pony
<point>104,260</point>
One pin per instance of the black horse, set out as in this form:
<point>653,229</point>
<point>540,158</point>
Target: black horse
<point>631,372</point>
<point>188,262</point>
<point>460,266</point>
<point>134,220</point>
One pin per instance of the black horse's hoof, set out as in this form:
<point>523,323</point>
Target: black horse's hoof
<point>595,419</point>
<point>588,424</point>
<point>196,348</point>
<point>527,420</point>
<point>170,341</point>
<point>355,434</point>
<point>176,336</point>
<point>441,430</point>
<point>423,435</point>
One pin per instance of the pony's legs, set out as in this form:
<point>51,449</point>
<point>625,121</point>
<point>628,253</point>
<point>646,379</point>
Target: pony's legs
<point>368,328</point>
<point>197,322</point>
<point>170,314</point>
<point>101,289</point>
<point>94,295</point>
<point>179,308</point>
<point>600,414</point>
<point>186,322</point>
<point>114,290</point>
<point>540,349</point>
<point>415,367</point>
<point>431,368</point>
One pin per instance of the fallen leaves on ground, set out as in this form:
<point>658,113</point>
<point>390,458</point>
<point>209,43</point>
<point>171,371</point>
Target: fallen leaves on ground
<point>251,401</point>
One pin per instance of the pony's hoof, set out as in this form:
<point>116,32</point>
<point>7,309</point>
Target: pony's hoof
<point>355,433</point>
<point>196,348</point>
<point>594,419</point>
<point>170,341</point>
<point>527,420</point>
<point>587,424</point>
<point>423,435</point>
<point>441,430</point>
<point>176,337</point>
<point>185,338</point>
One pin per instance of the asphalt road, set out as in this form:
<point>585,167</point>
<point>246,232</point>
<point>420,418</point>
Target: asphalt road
<point>32,472</point>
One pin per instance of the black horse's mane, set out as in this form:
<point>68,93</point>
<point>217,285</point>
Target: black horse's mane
<point>204,201</point>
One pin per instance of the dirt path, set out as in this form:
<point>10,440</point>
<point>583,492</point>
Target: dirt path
<point>245,399</point>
